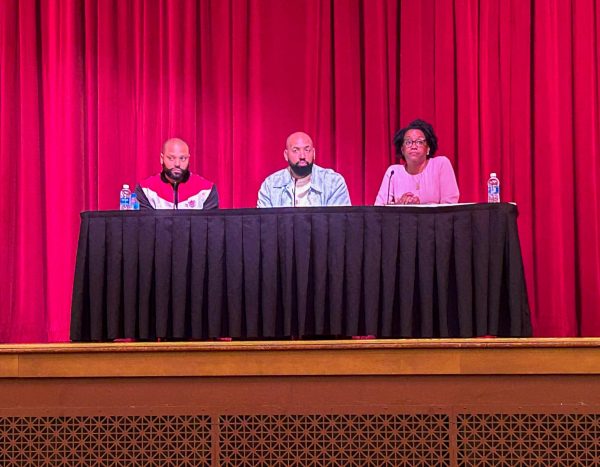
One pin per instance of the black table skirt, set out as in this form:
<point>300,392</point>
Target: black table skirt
<point>444,271</point>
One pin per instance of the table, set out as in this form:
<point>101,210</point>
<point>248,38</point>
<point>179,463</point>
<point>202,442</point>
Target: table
<point>391,272</point>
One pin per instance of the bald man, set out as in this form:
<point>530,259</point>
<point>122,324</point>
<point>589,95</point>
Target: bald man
<point>176,187</point>
<point>302,182</point>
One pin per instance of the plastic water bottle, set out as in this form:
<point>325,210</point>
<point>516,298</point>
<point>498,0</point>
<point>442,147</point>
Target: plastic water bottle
<point>125,198</point>
<point>493,187</point>
<point>134,204</point>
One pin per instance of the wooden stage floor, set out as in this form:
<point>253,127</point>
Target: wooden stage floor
<point>373,357</point>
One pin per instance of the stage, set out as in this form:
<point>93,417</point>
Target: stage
<point>367,402</point>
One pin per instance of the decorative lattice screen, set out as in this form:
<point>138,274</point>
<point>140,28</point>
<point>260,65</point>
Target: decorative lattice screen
<point>300,440</point>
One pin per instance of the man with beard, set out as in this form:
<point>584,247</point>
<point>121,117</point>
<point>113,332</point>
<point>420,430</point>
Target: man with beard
<point>176,187</point>
<point>302,183</point>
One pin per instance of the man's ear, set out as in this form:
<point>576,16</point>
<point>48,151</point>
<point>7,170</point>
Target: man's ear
<point>285,155</point>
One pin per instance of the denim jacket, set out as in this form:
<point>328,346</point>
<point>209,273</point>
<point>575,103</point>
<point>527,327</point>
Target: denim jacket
<point>327,188</point>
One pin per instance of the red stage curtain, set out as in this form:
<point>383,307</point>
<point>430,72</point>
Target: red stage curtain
<point>89,89</point>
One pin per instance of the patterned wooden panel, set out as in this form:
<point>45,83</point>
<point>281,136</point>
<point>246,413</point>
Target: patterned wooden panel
<point>111,440</point>
<point>528,439</point>
<point>348,440</point>
<point>299,440</point>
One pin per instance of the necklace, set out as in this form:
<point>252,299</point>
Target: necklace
<point>417,177</point>
<point>417,180</point>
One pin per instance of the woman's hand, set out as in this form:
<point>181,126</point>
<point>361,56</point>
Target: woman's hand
<point>407,198</point>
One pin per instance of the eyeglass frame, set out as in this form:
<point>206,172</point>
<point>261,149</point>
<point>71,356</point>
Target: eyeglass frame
<point>409,143</point>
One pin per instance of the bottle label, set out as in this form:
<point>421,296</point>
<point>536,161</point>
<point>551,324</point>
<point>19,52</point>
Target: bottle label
<point>493,190</point>
<point>124,201</point>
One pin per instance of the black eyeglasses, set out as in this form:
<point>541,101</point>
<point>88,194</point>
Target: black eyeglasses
<point>407,143</point>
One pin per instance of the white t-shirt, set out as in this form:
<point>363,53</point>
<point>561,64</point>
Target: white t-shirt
<point>301,192</point>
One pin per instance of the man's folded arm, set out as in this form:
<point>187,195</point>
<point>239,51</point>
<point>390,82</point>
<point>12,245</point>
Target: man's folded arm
<point>340,195</point>
<point>142,199</point>
<point>264,197</point>
<point>212,202</point>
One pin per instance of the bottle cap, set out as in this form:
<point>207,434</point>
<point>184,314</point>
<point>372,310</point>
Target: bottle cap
<point>125,185</point>
<point>133,195</point>
<point>493,174</point>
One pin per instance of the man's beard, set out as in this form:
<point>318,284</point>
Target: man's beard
<point>176,177</point>
<point>301,171</point>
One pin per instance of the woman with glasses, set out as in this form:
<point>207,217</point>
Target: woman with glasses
<point>422,179</point>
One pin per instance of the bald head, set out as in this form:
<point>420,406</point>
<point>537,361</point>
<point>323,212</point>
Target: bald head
<point>177,142</point>
<point>298,138</point>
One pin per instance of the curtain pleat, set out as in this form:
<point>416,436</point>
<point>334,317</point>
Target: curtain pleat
<point>89,91</point>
